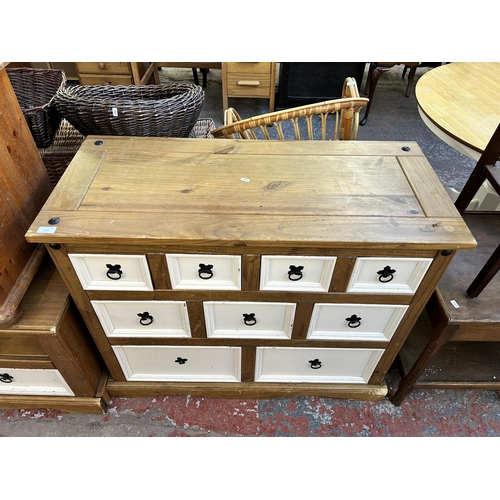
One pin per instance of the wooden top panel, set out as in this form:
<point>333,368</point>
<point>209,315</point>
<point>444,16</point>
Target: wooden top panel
<point>197,189</point>
<point>463,100</point>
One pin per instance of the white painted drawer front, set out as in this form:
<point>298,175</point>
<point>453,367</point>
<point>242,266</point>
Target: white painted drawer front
<point>305,364</point>
<point>311,274</point>
<point>387,275</point>
<point>249,319</point>
<point>180,363</point>
<point>147,318</point>
<point>33,382</point>
<point>204,272</point>
<point>112,272</point>
<point>355,321</point>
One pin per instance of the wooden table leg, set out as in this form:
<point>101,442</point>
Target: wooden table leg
<point>374,73</point>
<point>439,337</point>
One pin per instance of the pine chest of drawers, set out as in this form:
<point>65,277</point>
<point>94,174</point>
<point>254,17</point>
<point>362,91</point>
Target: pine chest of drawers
<point>258,269</point>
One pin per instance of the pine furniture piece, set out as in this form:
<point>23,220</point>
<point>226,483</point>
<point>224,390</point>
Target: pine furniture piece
<point>249,268</point>
<point>248,79</point>
<point>25,187</point>
<point>48,359</point>
<point>117,73</point>
<point>336,119</point>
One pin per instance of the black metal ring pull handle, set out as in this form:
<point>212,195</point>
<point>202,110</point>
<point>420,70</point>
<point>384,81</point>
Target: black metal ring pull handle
<point>114,271</point>
<point>354,321</point>
<point>386,274</point>
<point>205,271</point>
<point>315,364</point>
<point>6,378</point>
<point>146,318</point>
<point>249,319</point>
<point>295,273</point>
<point>181,361</point>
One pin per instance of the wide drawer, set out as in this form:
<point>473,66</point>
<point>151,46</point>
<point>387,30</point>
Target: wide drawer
<point>33,382</point>
<point>304,364</point>
<point>257,320</point>
<point>112,272</point>
<point>296,273</point>
<point>147,318</point>
<point>387,275</point>
<point>111,68</point>
<point>355,321</point>
<point>204,272</point>
<point>180,363</point>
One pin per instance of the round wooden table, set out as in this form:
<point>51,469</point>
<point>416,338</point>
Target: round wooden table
<point>460,103</point>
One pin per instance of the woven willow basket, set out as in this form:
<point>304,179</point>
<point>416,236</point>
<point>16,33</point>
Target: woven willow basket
<point>35,90</point>
<point>133,110</point>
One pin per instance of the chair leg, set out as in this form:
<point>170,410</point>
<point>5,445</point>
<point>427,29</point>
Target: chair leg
<point>411,76</point>
<point>371,83</point>
<point>204,72</point>
<point>487,273</point>
<point>195,76</point>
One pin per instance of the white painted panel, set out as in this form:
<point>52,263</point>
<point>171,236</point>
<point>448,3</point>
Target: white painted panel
<point>355,321</point>
<point>249,319</point>
<point>146,318</point>
<point>94,272</point>
<point>180,363</point>
<point>186,272</point>
<point>35,382</point>
<point>311,274</point>
<point>334,365</point>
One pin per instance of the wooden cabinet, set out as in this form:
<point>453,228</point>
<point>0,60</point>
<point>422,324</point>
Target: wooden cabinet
<point>116,73</point>
<point>249,268</point>
<point>48,359</point>
<point>256,80</point>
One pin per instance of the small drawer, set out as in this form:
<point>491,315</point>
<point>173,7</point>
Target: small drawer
<point>105,80</point>
<point>204,272</point>
<point>256,320</point>
<point>355,321</point>
<point>254,85</point>
<point>111,68</point>
<point>307,274</point>
<point>249,67</point>
<point>33,382</point>
<point>147,318</point>
<point>180,363</point>
<point>305,364</point>
<point>387,275</point>
<point>112,272</point>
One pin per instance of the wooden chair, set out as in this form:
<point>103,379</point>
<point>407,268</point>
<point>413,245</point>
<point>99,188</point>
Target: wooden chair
<point>485,169</point>
<point>310,121</point>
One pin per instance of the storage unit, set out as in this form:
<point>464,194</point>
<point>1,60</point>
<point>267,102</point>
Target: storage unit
<point>249,268</point>
<point>48,358</point>
<point>116,73</point>
<point>248,79</point>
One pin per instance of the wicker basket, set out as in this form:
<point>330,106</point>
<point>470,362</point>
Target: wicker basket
<point>133,110</point>
<point>35,90</point>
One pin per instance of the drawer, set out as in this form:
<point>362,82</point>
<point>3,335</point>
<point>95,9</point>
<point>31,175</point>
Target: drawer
<point>180,363</point>
<point>257,320</point>
<point>305,364</point>
<point>311,274</point>
<point>355,321</point>
<point>33,382</point>
<point>249,67</point>
<point>147,318</point>
<point>112,272</point>
<point>105,80</point>
<point>109,68</point>
<point>204,272</point>
<point>387,275</point>
<point>244,85</point>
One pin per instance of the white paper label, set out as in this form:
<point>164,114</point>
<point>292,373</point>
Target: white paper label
<point>454,303</point>
<point>115,111</point>
<point>46,230</point>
